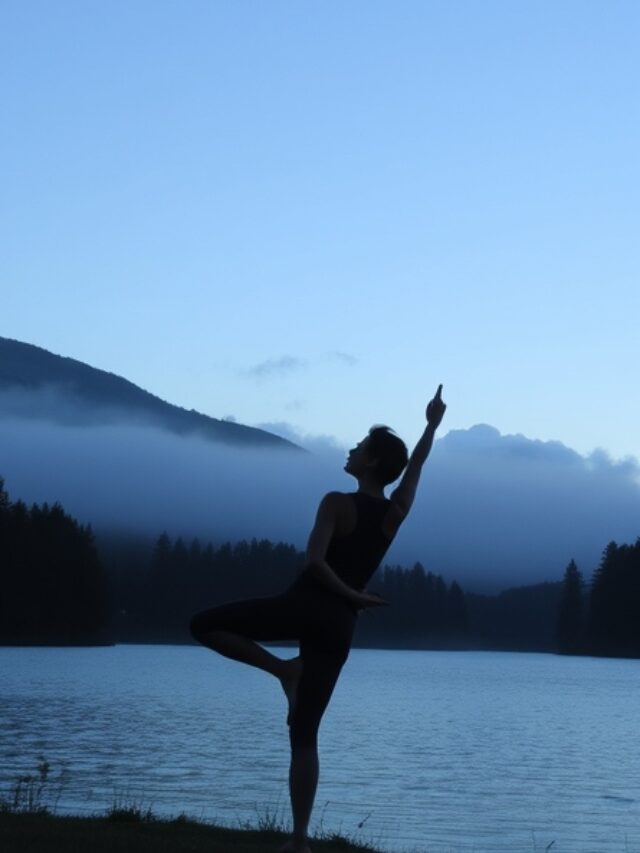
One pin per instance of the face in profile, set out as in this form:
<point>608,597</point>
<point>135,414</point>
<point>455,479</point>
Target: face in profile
<point>358,459</point>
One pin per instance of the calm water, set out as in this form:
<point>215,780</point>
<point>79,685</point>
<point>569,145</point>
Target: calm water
<point>433,751</point>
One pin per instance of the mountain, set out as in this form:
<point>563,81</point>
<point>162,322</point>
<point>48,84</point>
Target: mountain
<point>37,384</point>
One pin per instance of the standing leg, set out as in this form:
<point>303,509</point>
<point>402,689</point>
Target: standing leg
<point>303,781</point>
<point>325,638</point>
<point>319,676</point>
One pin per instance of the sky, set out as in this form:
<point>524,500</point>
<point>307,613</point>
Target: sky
<point>312,213</point>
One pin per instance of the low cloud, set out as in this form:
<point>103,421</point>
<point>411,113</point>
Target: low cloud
<point>519,509</point>
<point>59,404</point>
<point>492,511</point>
<point>312,442</point>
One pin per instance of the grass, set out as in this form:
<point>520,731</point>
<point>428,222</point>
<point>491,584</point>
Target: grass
<point>28,824</point>
<point>124,831</point>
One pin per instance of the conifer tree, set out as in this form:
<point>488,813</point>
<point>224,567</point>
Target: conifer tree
<point>602,604</point>
<point>457,614</point>
<point>570,625</point>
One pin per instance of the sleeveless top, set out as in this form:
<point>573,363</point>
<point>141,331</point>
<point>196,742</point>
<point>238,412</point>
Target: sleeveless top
<point>356,556</point>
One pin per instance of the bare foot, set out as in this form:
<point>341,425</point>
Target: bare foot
<point>292,670</point>
<point>292,847</point>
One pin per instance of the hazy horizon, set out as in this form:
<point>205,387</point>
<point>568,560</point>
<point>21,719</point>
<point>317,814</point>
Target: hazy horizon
<point>492,511</point>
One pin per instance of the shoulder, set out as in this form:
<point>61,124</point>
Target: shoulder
<point>336,502</point>
<point>340,508</point>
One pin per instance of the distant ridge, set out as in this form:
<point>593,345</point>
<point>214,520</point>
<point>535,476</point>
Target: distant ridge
<point>60,389</point>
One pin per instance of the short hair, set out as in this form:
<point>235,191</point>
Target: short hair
<point>390,451</point>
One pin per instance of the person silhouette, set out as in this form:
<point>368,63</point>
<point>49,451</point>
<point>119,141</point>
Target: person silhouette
<point>351,534</point>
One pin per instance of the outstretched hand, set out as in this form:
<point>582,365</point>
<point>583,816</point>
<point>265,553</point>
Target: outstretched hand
<point>369,599</point>
<point>436,409</point>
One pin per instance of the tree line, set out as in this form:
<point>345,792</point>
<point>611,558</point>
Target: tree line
<point>55,589</point>
<point>603,619</point>
<point>184,577</point>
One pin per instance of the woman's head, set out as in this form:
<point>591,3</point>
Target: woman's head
<point>381,453</point>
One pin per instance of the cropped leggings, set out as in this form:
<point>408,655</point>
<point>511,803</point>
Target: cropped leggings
<point>321,621</point>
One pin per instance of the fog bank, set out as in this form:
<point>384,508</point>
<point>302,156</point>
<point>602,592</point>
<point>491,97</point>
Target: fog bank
<point>492,511</point>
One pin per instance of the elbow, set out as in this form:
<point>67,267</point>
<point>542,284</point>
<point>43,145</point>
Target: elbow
<point>403,507</point>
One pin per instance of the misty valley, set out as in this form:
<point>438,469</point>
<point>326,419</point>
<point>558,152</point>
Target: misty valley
<point>60,587</point>
<point>131,514</point>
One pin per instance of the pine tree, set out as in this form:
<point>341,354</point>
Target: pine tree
<point>570,625</point>
<point>457,614</point>
<point>602,604</point>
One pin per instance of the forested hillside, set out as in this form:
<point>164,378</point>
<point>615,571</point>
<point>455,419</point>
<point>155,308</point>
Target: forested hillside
<point>56,589</point>
<point>41,385</point>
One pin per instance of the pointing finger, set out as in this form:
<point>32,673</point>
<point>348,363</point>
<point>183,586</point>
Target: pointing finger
<point>438,392</point>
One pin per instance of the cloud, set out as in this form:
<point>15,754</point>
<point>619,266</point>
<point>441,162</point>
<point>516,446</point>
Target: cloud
<point>134,478</point>
<point>491,511</point>
<point>313,443</point>
<point>519,509</point>
<point>60,404</point>
<point>344,358</point>
<point>275,367</point>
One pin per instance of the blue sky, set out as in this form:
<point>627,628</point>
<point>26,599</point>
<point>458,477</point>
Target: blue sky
<point>313,213</point>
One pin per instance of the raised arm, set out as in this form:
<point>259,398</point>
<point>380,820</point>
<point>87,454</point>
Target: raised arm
<point>402,497</point>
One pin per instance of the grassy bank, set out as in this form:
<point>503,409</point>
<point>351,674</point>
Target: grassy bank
<point>46,833</point>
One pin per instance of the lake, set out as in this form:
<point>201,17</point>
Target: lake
<point>445,752</point>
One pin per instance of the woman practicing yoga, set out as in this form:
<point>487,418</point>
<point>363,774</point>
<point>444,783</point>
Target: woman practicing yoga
<point>351,534</point>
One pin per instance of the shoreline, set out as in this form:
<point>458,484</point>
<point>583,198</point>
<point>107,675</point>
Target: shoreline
<point>129,831</point>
